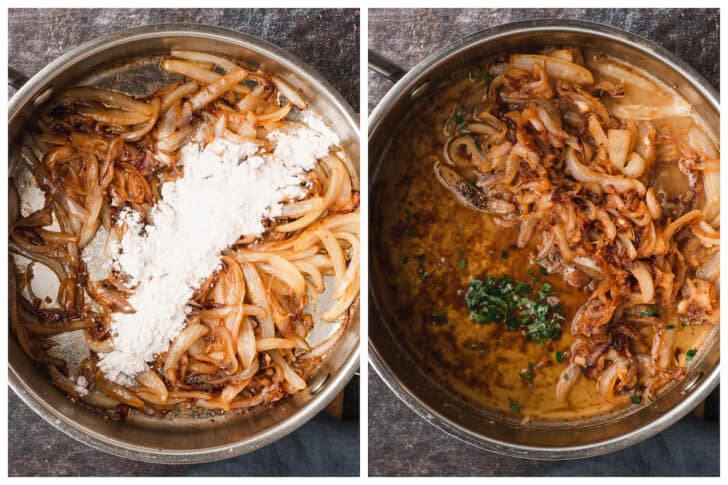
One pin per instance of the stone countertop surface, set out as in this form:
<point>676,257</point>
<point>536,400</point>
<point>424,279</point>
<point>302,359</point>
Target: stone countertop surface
<point>402,443</point>
<point>327,40</point>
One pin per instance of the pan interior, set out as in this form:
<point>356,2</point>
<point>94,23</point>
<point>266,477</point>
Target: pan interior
<point>405,374</point>
<point>130,64</point>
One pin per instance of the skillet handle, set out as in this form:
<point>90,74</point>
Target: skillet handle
<point>385,67</point>
<point>16,78</point>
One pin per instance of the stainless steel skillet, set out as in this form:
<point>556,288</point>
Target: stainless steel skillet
<point>544,440</point>
<point>128,61</point>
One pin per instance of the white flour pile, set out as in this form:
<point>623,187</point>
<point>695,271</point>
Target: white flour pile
<point>99,253</point>
<point>72,349</point>
<point>227,192</point>
<point>32,197</point>
<point>44,283</point>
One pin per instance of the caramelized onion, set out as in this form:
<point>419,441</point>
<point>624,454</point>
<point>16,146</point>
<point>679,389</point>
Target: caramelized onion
<point>555,67</point>
<point>584,174</point>
<point>244,343</point>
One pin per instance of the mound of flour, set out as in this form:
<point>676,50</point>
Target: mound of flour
<point>227,191</point>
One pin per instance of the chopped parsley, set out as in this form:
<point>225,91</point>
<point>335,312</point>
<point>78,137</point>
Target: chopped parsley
<point>405,259</point>
<point>690,354</point>
<point>422,274</point>
<point>490,76</point>
<point>528,373</point>
<point>460,120</point>
<point>559,356</point>
<point>503,300</point>
<point>683,323</point>
<point>476,142</point>
<point>651,399</point>
<point>545,292</point>
<point>670,327</point>
<point>462,262</point>
<point>649,313</point>
<point>542,266</point>
<point>460,115</point>
<point>636,399</point>
<point>439,318</point>
<point>504,254</point>
<point>476,74</point>
<point>515,407</point>
<point>524,288</point>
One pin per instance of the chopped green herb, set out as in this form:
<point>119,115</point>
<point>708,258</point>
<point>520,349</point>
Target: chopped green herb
<point>405,259</point>
<point>504,254</point>
<point>439,318</point>
<point>670,327</point>
<point>559,357</point>
<point>683,323</point>
<point>462,263</point>
<point>490,76</point>
<point>651,399</point>
<point>542,266</point>
<point>690,354</point>
<point>546,291</point>
<point>420,257</point>
<point>649,313</point>
<point>476,74</point>
<point>423,274</point>
<point>524,288</point>
<point>503,300</point>
<point>565,376</point>
<point>476,142</point>
<point>636,399</point>
<point>515,407</point>
<point>474,182</point>
<point>528,373</point>
<point>460,115</point>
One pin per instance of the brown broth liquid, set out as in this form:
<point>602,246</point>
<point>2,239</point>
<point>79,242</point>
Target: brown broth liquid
<point>421,235</point>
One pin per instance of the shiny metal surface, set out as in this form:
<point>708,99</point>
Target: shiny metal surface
<point>535,440</point>
<point>129,60</point>
<point>384,67</point>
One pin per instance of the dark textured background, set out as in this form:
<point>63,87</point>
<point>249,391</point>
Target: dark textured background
<point>400,442</point>
<point>327,40</point>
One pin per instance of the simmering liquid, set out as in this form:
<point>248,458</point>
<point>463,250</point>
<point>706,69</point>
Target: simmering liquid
<point>426,248</point>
